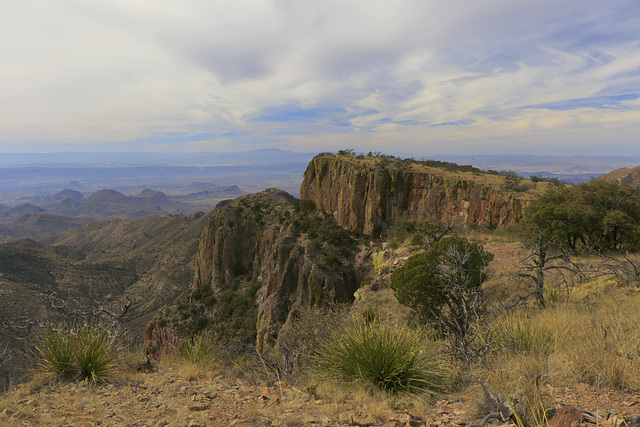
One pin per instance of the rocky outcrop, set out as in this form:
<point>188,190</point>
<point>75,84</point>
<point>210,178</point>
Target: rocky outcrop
<point>285,250</point>
<point>365,197</point>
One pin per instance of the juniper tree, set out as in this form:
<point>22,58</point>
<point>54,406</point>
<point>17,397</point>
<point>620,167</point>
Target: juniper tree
<point>443,286</point>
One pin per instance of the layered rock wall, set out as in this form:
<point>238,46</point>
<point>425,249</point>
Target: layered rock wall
<point>365,197</point>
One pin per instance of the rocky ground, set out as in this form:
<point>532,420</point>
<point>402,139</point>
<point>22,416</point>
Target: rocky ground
<point>168,397</point>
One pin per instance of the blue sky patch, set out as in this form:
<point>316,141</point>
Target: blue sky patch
<point>613,101</point>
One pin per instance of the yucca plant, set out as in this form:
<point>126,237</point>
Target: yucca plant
<point>370,315</point>
<point>54,352</point>
<point>200,350</point>
<point>81,350</point>
<point>97,351</point>
<point>392,358</point>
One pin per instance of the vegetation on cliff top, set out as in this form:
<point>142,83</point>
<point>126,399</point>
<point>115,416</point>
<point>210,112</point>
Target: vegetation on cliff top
<point>507,181</point>
<point>598,215</point>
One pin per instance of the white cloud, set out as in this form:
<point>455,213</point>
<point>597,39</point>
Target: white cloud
<point>375,71</point>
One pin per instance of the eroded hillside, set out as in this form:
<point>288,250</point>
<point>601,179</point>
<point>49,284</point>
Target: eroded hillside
<point>148,262</point>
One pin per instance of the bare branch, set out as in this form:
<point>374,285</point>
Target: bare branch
<point>5,355</point>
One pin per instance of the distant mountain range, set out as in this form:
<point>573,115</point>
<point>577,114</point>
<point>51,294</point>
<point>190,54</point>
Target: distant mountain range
<point>265,156</point>
<point>36,177</point>
<point>72,184</point>
<point>70,209</point>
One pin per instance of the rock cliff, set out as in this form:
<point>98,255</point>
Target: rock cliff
<point>365,196</point>
<point>262,257</point>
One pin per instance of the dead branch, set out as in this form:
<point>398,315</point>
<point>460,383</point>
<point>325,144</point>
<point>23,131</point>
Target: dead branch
<point>502,410</point>
<point>591,416</point>
<point>498,400</point>
<point>116,317</point>
<point>5,355</point>
<point>486,419</point>
<point>624,270</point>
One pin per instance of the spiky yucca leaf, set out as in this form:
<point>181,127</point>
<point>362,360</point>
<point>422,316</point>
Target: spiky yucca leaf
<point>393,358</point>
<point>79,351</point>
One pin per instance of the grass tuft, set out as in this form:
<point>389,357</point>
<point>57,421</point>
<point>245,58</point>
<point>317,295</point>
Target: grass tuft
<point>392,358</point>
<point>518,334</point>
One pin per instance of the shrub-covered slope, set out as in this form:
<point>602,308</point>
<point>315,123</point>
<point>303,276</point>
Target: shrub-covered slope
<point>628,177</point>
<point>148,261</point>
<point>261,257</point>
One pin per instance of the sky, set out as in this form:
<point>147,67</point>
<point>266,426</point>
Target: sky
<point>420,77</point>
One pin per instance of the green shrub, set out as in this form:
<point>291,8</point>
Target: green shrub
<point>304,206</point>
<point>392,358</point>
<point>332,260</point>
<point>88,351</point>
<point>417,240</point>
<point>443,287</point>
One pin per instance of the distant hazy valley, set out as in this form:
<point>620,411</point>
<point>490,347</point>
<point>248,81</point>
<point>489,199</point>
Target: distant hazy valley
<point>42,194</point>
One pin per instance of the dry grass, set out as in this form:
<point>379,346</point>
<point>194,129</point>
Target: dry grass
<point>592,338</point>
<point>518,334</point>
<point>590,335</point>
<point>186,369</point>
<point>377,405</point>
<point>599,339</point>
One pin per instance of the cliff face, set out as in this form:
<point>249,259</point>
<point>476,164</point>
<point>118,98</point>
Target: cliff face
<point>276,252</point>
<point>365,197</point>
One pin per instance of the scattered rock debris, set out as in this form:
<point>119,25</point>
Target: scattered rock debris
<point>164,398</point>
